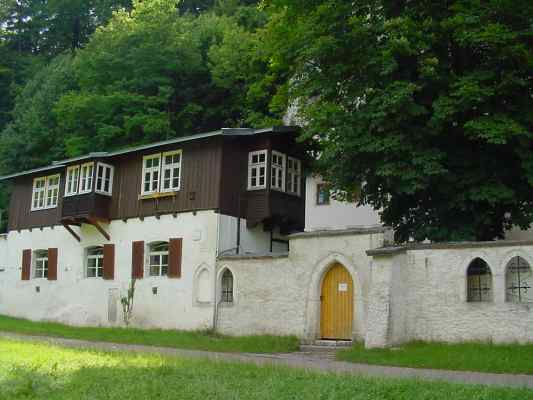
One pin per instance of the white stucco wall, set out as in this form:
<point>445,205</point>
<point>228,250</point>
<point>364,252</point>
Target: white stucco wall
<point>252,241</point>
<point>430,297</point>
<point>281,294</point>
<point>336,214</point>
<point>75,299</point>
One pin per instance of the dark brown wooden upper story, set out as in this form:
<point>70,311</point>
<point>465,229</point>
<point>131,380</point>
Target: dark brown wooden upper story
<point>252,174</point>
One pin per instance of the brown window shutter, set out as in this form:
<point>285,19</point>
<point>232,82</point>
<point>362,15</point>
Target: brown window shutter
<point>174,258</point>
<point>109,261</point>
<point>52,264</point>
<point>137,260</point>
<point>26,264</point>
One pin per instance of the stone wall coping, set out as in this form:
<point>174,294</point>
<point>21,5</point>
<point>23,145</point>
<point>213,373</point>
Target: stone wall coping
<point>391,250</point>
<point>254,256</point>
<point>339,232</point>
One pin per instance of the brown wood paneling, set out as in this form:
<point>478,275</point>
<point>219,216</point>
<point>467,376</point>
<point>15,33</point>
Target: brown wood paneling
<point>109,261</point>
<point>137,260</point>
<point>52,264</point>
<point>26,265</point>
<point>175,248</point>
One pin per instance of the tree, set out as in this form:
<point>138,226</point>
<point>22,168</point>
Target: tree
<point>428,104</point>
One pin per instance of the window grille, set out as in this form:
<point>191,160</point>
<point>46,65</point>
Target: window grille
<point>227,287</point>
<point>479,281</point>
<point>519,281</point>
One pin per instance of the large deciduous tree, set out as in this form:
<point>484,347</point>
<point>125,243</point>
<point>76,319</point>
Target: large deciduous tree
<point>428,103</point>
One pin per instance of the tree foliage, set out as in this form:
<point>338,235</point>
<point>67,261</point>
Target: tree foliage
<point>428,104</point>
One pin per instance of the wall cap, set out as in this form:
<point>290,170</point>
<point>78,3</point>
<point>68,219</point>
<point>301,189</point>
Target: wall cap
<point>340,232</point>
<point>391,250</point>
<point>253,256</point>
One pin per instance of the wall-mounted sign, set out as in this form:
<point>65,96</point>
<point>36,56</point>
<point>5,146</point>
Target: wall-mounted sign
<point>343,287</point>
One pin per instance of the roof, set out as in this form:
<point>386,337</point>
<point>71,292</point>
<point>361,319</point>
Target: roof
<point>226,132</point>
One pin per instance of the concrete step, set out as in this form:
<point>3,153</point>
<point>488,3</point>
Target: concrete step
<point>326,345</point>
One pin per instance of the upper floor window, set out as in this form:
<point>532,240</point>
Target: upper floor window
<point>294,175</point>
<point>277,175</point>
<point>73,179</point>
<point>104,178</point>
<point>479,281</point>
<point>519,281</point>
<point>257,161</point>
<point>40,267</point>
<point>45,192</point>
<point>95,262</point>
<point>151,167</point>
<point>171,171</point>
<point>322,194</point>
<point>86,178</point>
<point>158,259</point>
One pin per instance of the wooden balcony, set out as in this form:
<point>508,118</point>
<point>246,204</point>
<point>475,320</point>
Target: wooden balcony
<point>86,206</point>
<point>90,208</point>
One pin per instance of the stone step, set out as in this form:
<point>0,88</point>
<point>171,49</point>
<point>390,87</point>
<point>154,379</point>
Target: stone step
<point>327,345</point>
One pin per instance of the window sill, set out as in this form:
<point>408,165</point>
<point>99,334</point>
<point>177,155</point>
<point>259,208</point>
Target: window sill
<point>157,195</point>
<point>43,209</point>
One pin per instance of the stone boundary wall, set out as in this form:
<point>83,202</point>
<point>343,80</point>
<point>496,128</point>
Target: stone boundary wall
<point>429,293</point>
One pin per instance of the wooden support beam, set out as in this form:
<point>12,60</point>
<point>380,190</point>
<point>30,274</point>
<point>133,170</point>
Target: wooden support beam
<point>95,223</point>
<point>69,229</point>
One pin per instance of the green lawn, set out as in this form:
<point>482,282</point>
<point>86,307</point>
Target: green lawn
<point>463,357</point>
<point>166,338</point>
<point>39,371</point>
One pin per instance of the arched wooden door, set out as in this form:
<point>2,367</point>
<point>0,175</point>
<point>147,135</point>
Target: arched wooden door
<point>336,309</point>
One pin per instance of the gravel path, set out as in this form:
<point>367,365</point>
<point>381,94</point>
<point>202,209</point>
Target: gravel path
<point>321,360</point>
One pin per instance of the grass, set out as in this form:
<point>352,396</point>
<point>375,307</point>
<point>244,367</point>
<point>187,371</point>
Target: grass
<point>481,357</point>
<point>166,338</point>
<point>39,371</point>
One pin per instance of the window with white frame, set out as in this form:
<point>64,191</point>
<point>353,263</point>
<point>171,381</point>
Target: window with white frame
<point>40,266</point>
<point>151,169</point>
<point>73,180</point>
<point>104,178</point>
<point>45,193</point>
<point>257,164</point>
<point>171,169</point>
<point>277,173</point>
<point>294,175</point>
<point>52,191</point>
<point>95,262</point>
<point>39,192</point>
<point>86,178</point>
<point>158,259</point>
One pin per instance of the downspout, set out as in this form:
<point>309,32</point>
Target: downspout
<point>215,274</point>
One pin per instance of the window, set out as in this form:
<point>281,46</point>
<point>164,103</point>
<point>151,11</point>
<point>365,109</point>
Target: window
<point>39,191</point>
<point>322,194</point>
<point>171,171</point>
<point>257,170</point>
<point>227,287</point>
<point>294,175</point>
<point>519,281</point>
<point>479,281</point>
<point>52,191</point>
<point>151,166</point>
<point>45,193</point>
<point>104,178</point>
<point>73,178</point>
<point>86,178</point>
<point>40,269</point>
<point>95,262</point>
<point>277,175</point>
<point>158,259</point>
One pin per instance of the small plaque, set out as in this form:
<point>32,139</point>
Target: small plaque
<point>343,287</point>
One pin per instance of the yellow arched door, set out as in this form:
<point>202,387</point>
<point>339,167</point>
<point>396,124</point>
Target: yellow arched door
<point>336,309</point>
